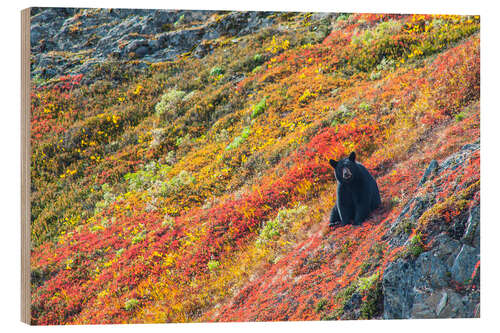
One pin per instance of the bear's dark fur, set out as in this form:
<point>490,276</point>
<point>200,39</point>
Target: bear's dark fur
<point>357,192</point>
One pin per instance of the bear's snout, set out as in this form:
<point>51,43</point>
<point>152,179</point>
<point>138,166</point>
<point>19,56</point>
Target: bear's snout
<point>346,173</point>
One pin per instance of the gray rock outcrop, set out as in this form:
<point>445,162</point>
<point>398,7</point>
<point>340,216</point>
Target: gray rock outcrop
<point>442,282</point>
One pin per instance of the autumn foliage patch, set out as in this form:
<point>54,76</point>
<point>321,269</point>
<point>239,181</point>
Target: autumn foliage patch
<point>151,196</point>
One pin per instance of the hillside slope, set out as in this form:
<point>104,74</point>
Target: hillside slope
<point>180,165</point>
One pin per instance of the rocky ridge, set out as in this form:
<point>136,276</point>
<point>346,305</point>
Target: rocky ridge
<point>72,40</point>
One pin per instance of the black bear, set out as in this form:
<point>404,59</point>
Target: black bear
<point>357,192</point>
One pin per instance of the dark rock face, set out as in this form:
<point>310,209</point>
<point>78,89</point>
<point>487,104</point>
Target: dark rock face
<point>433,166</point>
<point>472,231</point>
<point>398,282</point>
<point>441,282</point>
<point>464,264</point>
<point>423,288</point>
<point>73,40</point>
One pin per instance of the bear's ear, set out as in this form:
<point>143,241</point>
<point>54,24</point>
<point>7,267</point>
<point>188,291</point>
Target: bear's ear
<point>333,163</point>
<point>352,156</point>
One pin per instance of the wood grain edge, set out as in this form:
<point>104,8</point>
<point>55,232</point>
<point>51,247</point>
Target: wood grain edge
<point>25,168</point>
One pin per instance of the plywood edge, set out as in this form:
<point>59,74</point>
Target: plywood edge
<point>25,168</point>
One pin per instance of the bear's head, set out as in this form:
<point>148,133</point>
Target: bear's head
<point>346,170</point>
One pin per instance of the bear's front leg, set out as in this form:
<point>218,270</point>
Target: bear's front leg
<point>345,204</point>
<point>345,216</point>
<point>361,214</point>
<point>334,216</point>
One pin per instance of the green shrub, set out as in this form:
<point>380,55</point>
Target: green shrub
<point>184,178</point>
<point>139,237</point>
<point>274,227</point>
<point>259,108</point>
<point>179,21</point>
<point>386,64</point>
<point>213,265</point>
<point>367,283</point>
<point>131,304</point>
<point>321,305</point>
<point>248,64</point>
<point>181,182</point>
<point>271,230</point>
<point>153,176</point>
<point>382,30</point>
<point>235,143</point>
<point>375,75</point>
<point>365,106</point>
<point>404,227</point>
<point>216,71</point>
<point>258,58</point>
<point>183,141</point>
<point>343,17</point>
<point>256,69</point>
<point>245,133</point>
<point>168,221</point>
<point>143,179</point>
<point>239,139</point>
<point>395,201</point>
<point>372,305</point>
<point>390,27</point>
<point>107,198</point>
<point>342,115</point>
<point>169,104</point>
<point>459,117</point>
<point>370,289</point>
<point>119,252</point>
<point>416,246</point>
